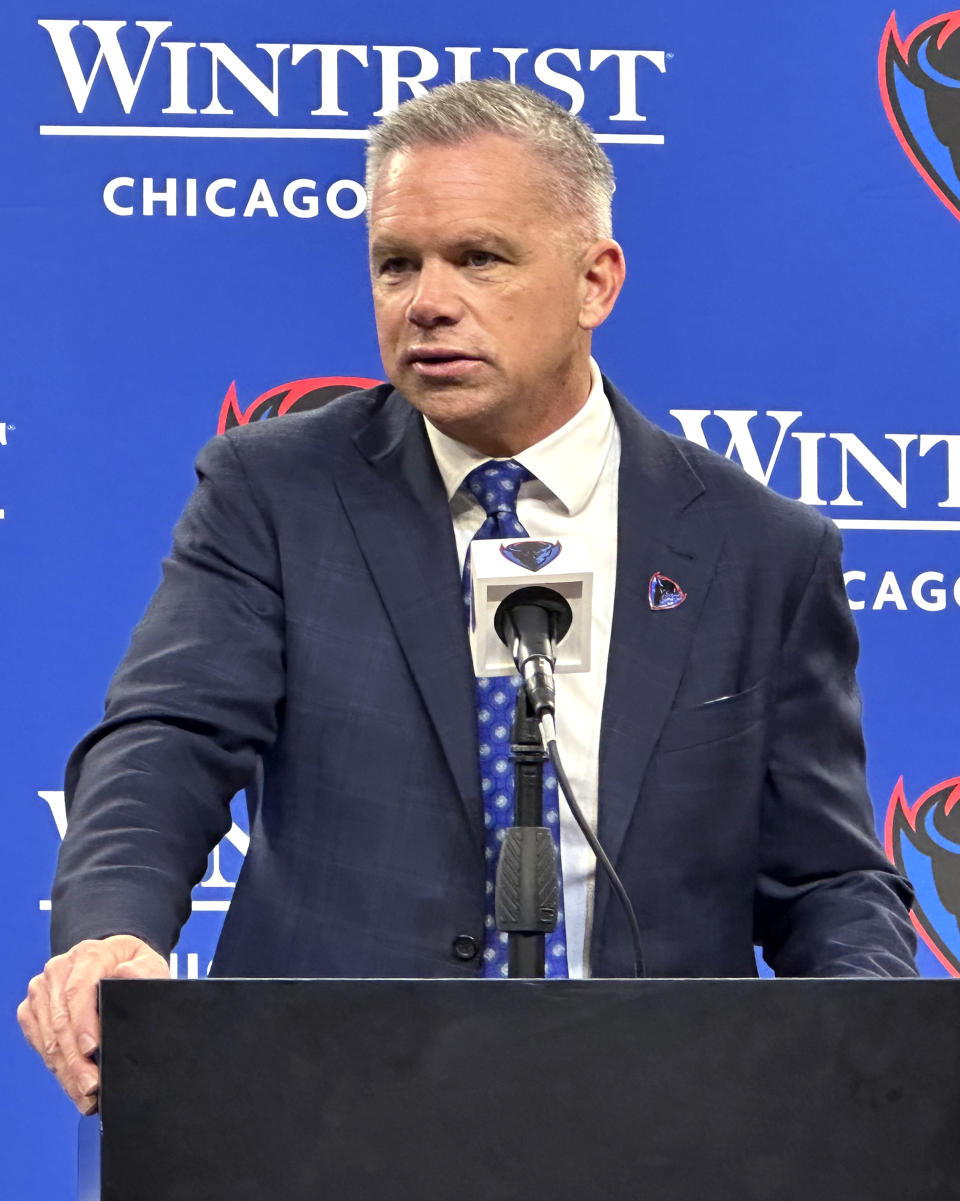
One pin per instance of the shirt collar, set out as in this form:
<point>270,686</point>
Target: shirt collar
<point>568,462</point>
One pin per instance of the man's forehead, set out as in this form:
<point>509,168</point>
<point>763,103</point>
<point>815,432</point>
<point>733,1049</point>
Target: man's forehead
<point>486,168</point>
<point>487,187</point>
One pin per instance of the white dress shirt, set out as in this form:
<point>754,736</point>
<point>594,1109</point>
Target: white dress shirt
<point>574,492</point>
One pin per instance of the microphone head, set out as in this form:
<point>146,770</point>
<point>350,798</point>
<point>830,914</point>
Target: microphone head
<point>500,568</point>
<point>556,606</point>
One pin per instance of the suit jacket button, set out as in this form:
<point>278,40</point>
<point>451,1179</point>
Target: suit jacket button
<point>465,947</point>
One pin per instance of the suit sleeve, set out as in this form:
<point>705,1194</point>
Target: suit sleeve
<point>828,902</point>
<point>192,706</point>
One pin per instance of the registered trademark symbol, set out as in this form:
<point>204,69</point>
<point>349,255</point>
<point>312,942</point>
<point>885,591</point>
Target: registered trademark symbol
<point>669,54</point>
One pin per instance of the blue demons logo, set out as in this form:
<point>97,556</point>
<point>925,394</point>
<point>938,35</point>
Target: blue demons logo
<point>295,397</point>
<point>920,86</point>
<point>531,554</point>
<point>923,841</point>
<point>665,593</point>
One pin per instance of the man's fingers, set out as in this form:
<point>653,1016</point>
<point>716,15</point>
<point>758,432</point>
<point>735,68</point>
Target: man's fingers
<point>34,1017</point>
<point>80,995</point>
<point>127,971</point>
<point>146,965</point>
<point>73,982</point>
<point>82,1086</point>
<point>33,1034</point>
<point>88,1083</point>
<point>67,987</point>
<point>59,1015</point>
<point>78,1077</point>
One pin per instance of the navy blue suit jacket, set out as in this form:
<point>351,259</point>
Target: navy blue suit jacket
<point>310,616</point>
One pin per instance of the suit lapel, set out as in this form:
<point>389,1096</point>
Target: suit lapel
<point>397,505</point>
<point>658,530</point>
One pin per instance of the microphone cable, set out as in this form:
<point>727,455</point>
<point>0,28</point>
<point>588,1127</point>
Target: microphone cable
<point>548,732</point>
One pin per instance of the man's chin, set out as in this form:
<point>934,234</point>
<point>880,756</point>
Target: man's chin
<point>445,400</point>
<point>465,418</point>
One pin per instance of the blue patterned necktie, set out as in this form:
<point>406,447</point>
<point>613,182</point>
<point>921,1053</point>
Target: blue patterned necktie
<point>495,485</point>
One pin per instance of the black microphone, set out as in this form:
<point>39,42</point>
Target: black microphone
<point>530,622</point>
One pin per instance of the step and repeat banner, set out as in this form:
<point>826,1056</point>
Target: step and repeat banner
<point>184,250</point>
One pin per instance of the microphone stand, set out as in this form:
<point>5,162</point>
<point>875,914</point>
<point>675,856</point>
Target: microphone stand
<point>530,622</point>
<point>526,899</point>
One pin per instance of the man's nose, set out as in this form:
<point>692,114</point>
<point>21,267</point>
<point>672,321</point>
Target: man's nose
<point>436,298</point>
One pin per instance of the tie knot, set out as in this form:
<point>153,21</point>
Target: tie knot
<point>495,485</point>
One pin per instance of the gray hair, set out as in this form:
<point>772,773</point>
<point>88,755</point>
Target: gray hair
<point>457,112</point>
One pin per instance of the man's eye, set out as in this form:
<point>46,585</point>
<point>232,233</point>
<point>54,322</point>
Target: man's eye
<point>394,266</point>
<point>481,258</point>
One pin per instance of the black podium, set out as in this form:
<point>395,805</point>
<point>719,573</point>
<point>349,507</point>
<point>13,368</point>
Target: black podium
<point>660,1090</point>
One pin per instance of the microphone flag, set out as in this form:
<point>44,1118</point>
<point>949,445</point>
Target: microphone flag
<point>501,566</point>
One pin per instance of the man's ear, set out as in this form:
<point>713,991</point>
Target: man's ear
<point>603,272</point>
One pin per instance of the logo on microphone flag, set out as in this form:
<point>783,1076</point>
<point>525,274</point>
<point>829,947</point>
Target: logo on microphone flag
<point>531,554</point>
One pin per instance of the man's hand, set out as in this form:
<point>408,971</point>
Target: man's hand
<point>59,1014</point>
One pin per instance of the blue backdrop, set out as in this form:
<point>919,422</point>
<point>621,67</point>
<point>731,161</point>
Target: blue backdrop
<point>788,203</point>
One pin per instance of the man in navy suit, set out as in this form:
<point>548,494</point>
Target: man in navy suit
<point>310,619</point>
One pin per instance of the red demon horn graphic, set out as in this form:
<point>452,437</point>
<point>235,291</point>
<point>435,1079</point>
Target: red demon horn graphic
<point>299,395</point>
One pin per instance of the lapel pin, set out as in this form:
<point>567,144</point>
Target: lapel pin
<point>665,593</point>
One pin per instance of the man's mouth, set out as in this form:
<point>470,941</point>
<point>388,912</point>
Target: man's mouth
<point>442,362</point>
